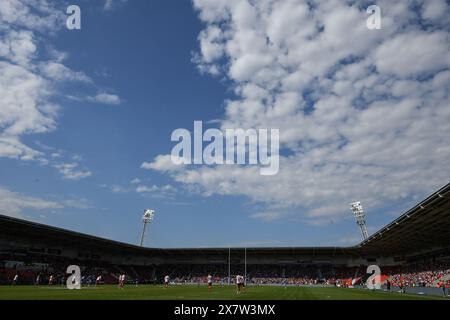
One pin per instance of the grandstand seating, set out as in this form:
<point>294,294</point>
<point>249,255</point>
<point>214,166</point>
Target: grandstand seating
<point>426,274</point>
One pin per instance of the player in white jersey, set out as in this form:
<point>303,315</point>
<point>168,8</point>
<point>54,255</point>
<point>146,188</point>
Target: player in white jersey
<point>210,281</point>
<point>50,280</point>
<point>166,281</point>
<point>240,284</point>
<point>98,280</point>
<point>15,280</point>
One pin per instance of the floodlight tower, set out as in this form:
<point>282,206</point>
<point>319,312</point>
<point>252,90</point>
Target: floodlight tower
<point>146,218</point>
<point>358,212</point>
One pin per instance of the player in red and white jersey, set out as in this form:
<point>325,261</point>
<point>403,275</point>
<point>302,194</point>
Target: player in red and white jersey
<point>240,283</point>
<point>121,281</point>
<point>166,281</point>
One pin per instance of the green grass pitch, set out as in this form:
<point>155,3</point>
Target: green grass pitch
<point>144,292</point>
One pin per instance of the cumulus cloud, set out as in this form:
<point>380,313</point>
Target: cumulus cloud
<point>30,14</point>
<point>409,54</point>
<point>25,108</point>
<point>25,92</point>
<point>18,46</point>
<point>435,9</point>
<point>363,114</point>
<point>29,81</point>
<point>163,163</point>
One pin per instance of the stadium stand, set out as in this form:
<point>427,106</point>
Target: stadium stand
<point>412,251</point>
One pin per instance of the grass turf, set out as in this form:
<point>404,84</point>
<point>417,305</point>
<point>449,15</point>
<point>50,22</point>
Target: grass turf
<point>145,292</point>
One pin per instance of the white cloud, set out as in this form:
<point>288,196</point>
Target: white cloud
<point>12,203</point>
<point>29,82</point>
<point>72,171</point>
<point>77,203</point>
<point>18,46</point>
<point>155,191</point>
<point>25,92</point>
<point>435,9</point>
<point>409,53</point>
<point>162,163</point>
<point>25,109</point>
<point>363,114</point>
<point>24,102</point>
<point>59,72</point>
<point>105,98</point>
<point>12,147</point>
<point>36,15</point>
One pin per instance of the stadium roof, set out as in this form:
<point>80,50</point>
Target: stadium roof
<point>32,231</point>
<point>423,228</point>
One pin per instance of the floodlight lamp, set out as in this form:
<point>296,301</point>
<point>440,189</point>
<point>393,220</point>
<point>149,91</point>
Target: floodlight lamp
<point>148,215</point>
<point>358,212</point>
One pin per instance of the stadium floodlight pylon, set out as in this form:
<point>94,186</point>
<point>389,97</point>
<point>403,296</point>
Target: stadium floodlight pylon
<point>229,265</point>
<point>245,265</point>
<point>146,218</point>
<point>358,212</point>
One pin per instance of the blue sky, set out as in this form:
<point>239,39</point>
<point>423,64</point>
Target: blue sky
<point>83,110</point>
